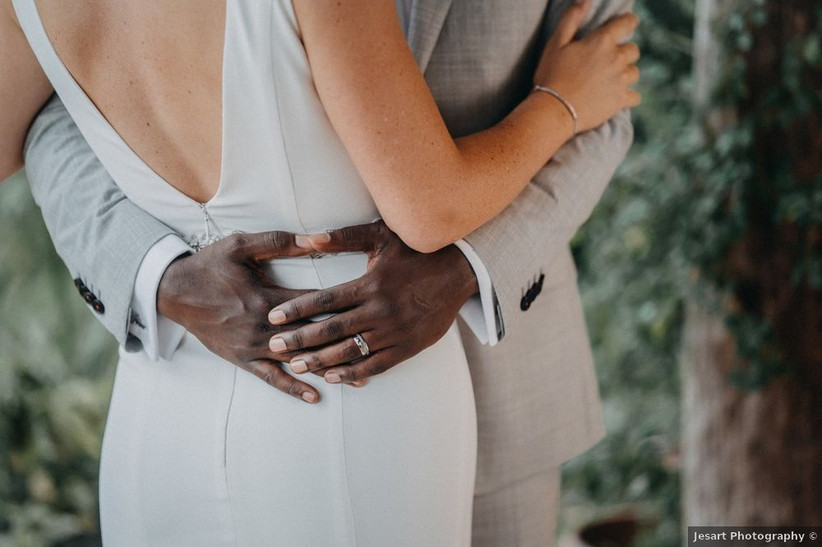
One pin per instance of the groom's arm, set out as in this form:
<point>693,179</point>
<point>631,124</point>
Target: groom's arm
<point>100,235</point>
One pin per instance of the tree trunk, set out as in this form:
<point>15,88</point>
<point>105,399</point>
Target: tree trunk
<point>750,458</point>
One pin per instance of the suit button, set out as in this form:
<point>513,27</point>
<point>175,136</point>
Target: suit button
<point>525,303</point>
<point>98,307</point>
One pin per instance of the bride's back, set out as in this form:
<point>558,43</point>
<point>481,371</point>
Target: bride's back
<point>154,70</point>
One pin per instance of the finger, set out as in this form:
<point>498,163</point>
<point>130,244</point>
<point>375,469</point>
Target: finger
<point>364,238</point>
<point>272,295</point>
<point>569,24</point>
<point>356,383</point>
<point>340,353</point>
<point>630,75</point>
<point>374,364</point>
<point>630,53</point>
<point>273,374</point>
<point>314,303</point>
<point>268,245</point>
<point>618,28</point>
<point>319,333</point>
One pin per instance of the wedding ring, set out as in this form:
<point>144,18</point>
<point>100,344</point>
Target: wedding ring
<point>360,341</point>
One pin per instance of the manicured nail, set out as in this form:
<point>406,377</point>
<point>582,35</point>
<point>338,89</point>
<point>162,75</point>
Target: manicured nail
<point>332,377</point>
<point>323,237</point>
<point>309,397</point>
<point>299,367</point>
<point>277,344</point>
<point>303,241</point>
<point>276,317</point>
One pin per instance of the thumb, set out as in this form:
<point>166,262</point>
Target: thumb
<point>568,26</point>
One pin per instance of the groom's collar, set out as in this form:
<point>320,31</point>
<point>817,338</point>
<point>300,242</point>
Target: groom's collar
<point>427,18</point>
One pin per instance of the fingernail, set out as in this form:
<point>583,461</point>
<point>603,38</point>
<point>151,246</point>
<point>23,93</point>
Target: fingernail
<point>323,237</point>
<point>299,367</point>
<point>303,241</point>
<point>332,377</point>
<point>309,397</point>
<point>277,344</point>
<point>276,317</point>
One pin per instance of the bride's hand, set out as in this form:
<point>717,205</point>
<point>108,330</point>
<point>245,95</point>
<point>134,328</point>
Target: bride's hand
<point>593,74</point>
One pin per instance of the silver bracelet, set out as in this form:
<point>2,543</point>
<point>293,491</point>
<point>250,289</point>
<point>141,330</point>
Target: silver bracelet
<point>565,103</point>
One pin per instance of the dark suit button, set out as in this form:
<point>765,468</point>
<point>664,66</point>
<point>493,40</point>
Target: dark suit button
<point>98,307</point>
<point>88,297</point>
<point>78,283</point>
<point>525,303</point>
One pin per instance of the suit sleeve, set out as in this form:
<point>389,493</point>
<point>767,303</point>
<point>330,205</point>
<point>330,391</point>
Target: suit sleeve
<point>100,235</point>
<point>520,242</point>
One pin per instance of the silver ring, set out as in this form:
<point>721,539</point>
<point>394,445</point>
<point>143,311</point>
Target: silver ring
<point>360,341</point>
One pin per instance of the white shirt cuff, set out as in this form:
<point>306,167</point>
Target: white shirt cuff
<point>159,335</point>
<point>481,312</point>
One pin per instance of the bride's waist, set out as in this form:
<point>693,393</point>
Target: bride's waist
<point>315,273</point>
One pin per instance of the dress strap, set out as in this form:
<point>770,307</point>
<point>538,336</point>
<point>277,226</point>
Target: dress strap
<point>57,73</point>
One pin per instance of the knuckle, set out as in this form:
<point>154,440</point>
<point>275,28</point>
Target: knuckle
<point>278,239</point>
<point>312,362</point>
<point>350,352</point>
<point>294,341</point>
<point>269,377</point>
<point>293,388</point>
<point>236,242</point>
<point>375,369</point>
<point>346,234</point>
<point>293,309</point>
<point>324,300</point>
<point>331,328</point>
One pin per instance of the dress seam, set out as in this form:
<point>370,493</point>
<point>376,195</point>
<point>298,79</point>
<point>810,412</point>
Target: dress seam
<point>345,466</point>
<point>226,481</point>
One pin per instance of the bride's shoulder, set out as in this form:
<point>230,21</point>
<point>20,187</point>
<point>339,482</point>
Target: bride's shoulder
<point>8,14</point>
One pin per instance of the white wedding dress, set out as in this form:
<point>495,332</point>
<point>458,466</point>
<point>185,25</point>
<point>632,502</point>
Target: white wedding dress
<point>198,452</point>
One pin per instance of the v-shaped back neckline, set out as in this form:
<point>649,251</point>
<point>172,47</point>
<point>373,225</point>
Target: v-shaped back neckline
<point>29,16</point>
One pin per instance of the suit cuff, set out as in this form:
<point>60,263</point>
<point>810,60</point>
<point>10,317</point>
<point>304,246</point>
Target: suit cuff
<point>481,312</point>
<point>159,335</point>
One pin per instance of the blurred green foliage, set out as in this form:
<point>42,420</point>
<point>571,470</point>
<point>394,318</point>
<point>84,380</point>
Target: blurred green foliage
<point>632,277</point>
<point>56,368</point>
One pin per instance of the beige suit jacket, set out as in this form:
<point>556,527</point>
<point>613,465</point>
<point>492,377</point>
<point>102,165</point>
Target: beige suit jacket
<point>537,398</point>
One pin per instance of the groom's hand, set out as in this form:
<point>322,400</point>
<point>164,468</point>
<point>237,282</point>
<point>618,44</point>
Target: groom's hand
<point>223,296</point>
<point>404,303</point>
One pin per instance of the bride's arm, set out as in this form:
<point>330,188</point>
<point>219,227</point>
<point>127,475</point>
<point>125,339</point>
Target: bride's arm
<point>431,189</point>
<point>24,89</point>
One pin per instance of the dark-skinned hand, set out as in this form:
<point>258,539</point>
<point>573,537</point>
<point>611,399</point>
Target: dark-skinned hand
<point>404,303</point>
<point>222,296</point>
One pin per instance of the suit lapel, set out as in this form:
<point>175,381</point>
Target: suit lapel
<point>427,18</point>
